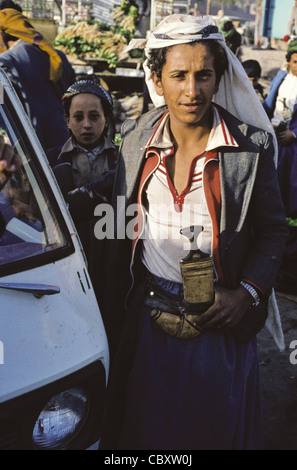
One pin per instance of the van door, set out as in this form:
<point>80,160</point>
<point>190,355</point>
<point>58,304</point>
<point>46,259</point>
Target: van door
<point>53,347</point>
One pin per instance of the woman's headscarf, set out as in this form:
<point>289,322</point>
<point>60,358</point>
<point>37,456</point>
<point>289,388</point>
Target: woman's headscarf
<point>12,22</point>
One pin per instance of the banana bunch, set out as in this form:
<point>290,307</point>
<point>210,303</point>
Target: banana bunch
<point>118,14</point>
<point>82,29</point>
<point>128,23</point>
<point>125,16</point>
<point>114,43</point>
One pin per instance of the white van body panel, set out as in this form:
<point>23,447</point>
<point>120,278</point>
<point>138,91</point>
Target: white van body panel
<point>46,338</point>
<point>49,337</point>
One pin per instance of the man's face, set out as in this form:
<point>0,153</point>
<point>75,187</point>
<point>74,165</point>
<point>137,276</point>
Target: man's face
<point>188,83</point>
<point>293,64</point>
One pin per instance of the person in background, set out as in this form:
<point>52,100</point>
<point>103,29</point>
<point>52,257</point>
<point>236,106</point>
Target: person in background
<point>292,23</point>
<point>281,107</point>
<point>143,19</point>
<point>232,37</point>
<point>184,365</point>
<point>7,4</point>
<point>254,71</point>
<point>85,165</point>
<point>39,73</point>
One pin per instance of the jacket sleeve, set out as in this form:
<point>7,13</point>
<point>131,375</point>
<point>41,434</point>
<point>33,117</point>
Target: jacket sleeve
<point>269,102</point>
<point>269,226</point>
<point>82,201</point>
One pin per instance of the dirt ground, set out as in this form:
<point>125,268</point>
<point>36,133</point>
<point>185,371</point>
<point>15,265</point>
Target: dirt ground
<point>279,380</point>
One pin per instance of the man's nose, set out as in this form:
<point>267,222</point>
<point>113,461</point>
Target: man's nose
<point>192,86</point>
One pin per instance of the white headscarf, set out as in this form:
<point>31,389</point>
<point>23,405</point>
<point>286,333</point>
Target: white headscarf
<point>235,93</point>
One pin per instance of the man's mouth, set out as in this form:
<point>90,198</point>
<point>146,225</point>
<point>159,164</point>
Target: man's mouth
<point>193,106</point>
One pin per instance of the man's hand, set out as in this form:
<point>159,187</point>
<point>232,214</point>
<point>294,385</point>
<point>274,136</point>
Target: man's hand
<point>9,162</point>
<point>285,138</point>
<point>228,309</point>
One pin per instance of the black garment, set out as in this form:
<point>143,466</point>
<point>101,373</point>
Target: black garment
<point>81,204</point>
<point>234,42</point>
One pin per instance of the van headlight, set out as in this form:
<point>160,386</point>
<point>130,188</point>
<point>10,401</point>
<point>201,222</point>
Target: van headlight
<point>61,419</point>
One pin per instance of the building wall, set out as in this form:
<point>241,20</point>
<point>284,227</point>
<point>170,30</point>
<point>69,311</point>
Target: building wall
<point>276,14</point>
<point>102,8</point>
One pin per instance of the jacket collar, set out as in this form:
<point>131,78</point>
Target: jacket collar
<point>220,136</point>
<point>72,144</point>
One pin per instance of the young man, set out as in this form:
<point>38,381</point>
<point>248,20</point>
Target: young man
<point>185,374</point>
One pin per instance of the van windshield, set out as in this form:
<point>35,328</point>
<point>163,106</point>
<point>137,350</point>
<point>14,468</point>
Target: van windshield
<point>29,226</point>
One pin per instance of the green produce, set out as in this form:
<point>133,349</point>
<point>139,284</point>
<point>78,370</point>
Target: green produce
<point>292,222</point>
<point>95,39</point>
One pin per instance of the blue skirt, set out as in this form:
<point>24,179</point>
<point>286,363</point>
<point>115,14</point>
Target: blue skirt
<point>203,393</point>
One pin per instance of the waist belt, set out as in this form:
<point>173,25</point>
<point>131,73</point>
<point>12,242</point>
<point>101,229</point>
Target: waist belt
<point>171,313</point>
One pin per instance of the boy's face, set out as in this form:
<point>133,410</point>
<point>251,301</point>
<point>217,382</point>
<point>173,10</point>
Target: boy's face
<point>188,83</point>
<point>86,119</point>
<point>254,81</point>
<point>293,64</point>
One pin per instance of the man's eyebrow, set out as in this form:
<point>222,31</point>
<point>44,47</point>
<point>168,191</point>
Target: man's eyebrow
<point>198,71</point>
<point>205,71</point>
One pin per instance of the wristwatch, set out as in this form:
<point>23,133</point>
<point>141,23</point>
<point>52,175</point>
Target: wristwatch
<point>252,291</point>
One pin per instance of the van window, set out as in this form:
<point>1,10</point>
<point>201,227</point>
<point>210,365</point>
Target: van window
<point>29,224</point>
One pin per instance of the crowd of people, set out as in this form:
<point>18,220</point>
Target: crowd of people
<point>214,159</point>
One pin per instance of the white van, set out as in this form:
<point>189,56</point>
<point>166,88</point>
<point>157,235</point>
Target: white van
<point>54,357</point>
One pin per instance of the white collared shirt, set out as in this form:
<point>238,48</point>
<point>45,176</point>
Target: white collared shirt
<point>286,100</point>
<point>167,212</point>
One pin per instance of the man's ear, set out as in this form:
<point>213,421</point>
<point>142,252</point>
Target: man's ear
<point>158,84</point>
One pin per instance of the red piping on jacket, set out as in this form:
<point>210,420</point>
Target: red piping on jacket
<point>212,194</point>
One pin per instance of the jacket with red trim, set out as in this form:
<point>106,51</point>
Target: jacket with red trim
<point>251,222</point>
